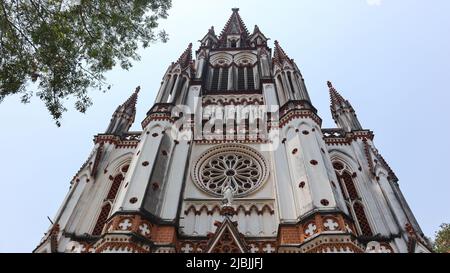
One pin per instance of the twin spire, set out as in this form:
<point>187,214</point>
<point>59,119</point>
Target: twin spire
<point>342,111</point>
<point>335,97</point>
<point>185,59</point>
<point>129,106</point>
<point>124,115</point>
<point>279,56</point>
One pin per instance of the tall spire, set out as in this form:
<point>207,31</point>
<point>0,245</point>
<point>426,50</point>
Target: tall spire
<point>342,111</point>
<point>335,97</point>
<point>186,58</point>
<point>130,103</point>
<point>279,55</point>
<point>234,26</point>
<point>124,115</point>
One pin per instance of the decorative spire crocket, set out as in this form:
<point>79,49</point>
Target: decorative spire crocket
<point>234,26</point>
<point>342,111</point>
<point>124,115</point>
<point>279,55</point>
<point>185,59</point>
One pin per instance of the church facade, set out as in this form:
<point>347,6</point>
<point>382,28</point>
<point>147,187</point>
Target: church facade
<point>232,157</point>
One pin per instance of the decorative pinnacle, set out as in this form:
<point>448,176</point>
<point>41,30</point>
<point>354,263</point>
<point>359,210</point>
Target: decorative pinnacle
<point>186,58</point>
<point>131,101</point>
<point>279,54</point>
<point>335,97</point>
<point>256,29</point>
<point>235,9</point>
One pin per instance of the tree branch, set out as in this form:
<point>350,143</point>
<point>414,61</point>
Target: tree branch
<point>11,25</point>
<point>84,22</point>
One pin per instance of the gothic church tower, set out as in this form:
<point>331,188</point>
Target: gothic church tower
<point>232,157</point>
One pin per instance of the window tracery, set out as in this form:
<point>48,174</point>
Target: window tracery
<point>353,200</point>
<point>239,167</point>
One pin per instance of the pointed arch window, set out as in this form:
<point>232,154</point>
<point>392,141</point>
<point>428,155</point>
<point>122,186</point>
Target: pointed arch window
<point>111,196</point>
<point>101,221</point>
<point>241,78</point>
<point>232,77</point>
<point>280,84</point>
<point>352,194</point>
<point>215,79</point>
<point>224,79</point>
<point>179,88</point>
<point>362,219</point>
<point>290,83</point>
<point>250,79</point>
<point>354,205</point>
<point>114,187</point>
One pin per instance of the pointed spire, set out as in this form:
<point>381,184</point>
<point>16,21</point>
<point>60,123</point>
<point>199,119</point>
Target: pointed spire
<point>342,111</point>
<point>129,106</point>
<point>124,115</point>
<point>279,55</point>
<point>130,103</point>
<point>186,58</point>
<point>210,38</point>
<point>256,30</point>
<point>211,31</point>
<point>234,26</point>
<point>335,97</point>
<point>257,37</point>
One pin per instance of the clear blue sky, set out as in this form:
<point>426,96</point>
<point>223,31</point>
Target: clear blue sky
<point>390,58</point>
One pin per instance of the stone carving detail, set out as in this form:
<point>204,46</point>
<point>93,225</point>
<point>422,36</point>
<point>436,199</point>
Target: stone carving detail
<point>144,229</point>
<point>310,229</point>
<point>236,167</point>
<point>125,224</point>
<point>331,224</point>
<point>226,244</point>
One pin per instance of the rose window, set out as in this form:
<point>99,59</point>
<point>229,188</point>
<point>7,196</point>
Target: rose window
<point>241,168</point>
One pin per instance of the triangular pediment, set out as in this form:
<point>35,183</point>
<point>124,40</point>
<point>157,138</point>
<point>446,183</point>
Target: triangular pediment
<point>227,239</point>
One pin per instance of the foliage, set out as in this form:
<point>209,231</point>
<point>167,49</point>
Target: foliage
<point>64,47</point>
<point>442,240</point>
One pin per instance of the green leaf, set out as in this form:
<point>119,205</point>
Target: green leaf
<point>65,52</point>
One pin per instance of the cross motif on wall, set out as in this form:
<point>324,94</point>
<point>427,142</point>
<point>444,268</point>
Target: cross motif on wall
<point>125,224</point>
<point>143,228</point>
<point>187,248</point>
<point>254,248</point>
<point>311,229</point>
<point>330,224</point>
<point>268,248</point>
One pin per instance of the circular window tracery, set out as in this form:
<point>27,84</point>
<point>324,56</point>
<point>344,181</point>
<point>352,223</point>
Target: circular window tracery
<point>239,167</point>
